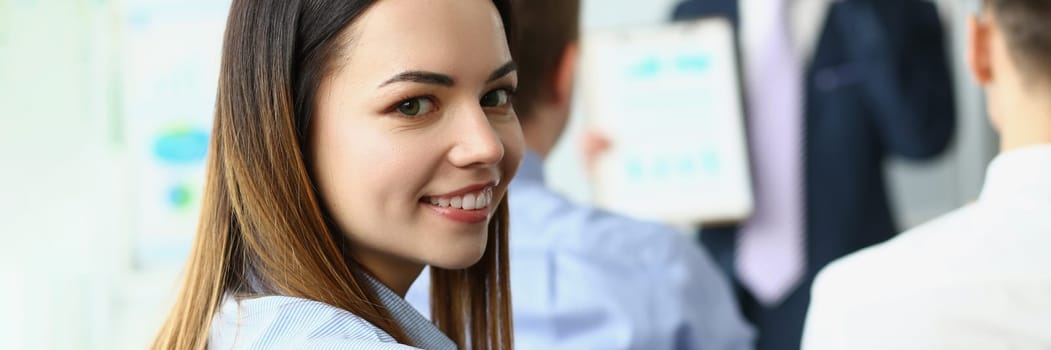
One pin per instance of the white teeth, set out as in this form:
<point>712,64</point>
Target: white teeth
<point>468,201</point>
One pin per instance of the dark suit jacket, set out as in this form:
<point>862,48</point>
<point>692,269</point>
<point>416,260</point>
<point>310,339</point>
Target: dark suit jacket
<point>878,84</point>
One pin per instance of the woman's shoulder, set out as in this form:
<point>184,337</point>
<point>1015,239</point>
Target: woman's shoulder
<point>280,322</point>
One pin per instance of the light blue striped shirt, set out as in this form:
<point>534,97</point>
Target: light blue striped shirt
<point>280,322</point>
<point>583,278</point>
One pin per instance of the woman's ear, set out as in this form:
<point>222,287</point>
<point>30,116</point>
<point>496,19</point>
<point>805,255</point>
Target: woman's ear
<point>979,50</point>
<point>565,74</point>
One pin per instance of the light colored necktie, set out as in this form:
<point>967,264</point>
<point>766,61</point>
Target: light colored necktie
<point>770,256</point>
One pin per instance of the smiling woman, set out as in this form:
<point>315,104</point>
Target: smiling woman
<point>355,142</point>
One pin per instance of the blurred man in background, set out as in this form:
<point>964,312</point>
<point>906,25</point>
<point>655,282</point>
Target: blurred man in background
<point>832,89</point>
<point>583,278</point>
<point>979,277</point>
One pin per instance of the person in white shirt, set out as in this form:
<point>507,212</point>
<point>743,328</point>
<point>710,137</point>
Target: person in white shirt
<point>979,277</point>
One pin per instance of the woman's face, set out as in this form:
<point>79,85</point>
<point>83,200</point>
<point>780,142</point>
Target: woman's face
<point>414,140</point>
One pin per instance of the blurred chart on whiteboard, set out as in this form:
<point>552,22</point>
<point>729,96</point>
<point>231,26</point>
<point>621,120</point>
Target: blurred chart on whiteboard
<point>669,100</point>
<point>173,50</point>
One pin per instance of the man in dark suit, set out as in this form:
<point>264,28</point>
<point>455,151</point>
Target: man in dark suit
<point>876,83</point>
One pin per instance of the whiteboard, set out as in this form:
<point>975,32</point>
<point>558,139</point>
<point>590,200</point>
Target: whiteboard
<point>669,99</point>
<point>173,53</point>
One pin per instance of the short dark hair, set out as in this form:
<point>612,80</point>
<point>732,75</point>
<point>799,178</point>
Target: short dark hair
<point>544,29</point>
<point>1027,27</point>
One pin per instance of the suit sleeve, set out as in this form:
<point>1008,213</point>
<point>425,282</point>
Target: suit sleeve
<point>907,83</point>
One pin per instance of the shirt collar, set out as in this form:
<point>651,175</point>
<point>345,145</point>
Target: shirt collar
<point>423,333</point>
<point>531,170</point>
<point>1021,173</point>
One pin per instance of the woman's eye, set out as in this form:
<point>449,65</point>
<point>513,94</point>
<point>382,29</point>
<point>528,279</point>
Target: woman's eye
<point>496,98</point>
<point>415,107</point>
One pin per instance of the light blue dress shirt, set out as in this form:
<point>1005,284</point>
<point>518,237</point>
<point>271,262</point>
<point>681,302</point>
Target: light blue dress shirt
<point>583,278</point>
<point>280,322</point>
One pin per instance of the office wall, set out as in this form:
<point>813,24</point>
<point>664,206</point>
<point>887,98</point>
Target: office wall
<point>89,89</point>
<point>60,173</point>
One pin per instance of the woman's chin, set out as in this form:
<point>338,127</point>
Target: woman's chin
<point>458,260</point>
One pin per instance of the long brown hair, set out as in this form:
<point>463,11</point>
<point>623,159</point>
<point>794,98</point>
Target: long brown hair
<point>263,229</point>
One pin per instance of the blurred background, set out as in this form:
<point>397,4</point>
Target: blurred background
<point>105,112</point>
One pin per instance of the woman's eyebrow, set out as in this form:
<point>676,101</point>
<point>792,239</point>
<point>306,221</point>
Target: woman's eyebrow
<point>422,77</point>
<point>505,69</point>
